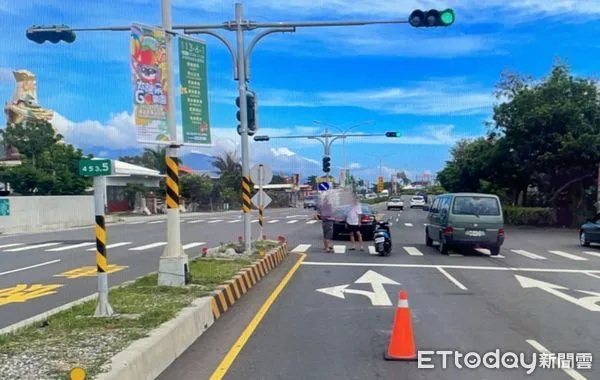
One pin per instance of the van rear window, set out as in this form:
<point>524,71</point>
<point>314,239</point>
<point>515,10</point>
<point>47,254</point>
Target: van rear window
<point>486,206</point>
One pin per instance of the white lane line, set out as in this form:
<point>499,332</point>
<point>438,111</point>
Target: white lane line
<point>292,222</point>
<point>140,222</point>
<point>397,220</point>
<point>569,371</point>
<point>452,279</point>
<point>372,250</point>
<point>10,245</point>
<point>456,255</point>
<point>489,267</point>
<point>408,224</point>
<point>232,221</point>
<point>339,249</point>
<point>192,245</point>
<point>218,220</point>
<point>68,247</point>
<point>254,221</point>
<point>592,275</point>
<point>195,221</point>
<point>528,254</point>
<point>301,248</point>
<point>312,222</point>
<point>568,255</point>
<point>273,221</point>
<point>30,247</point>
<point>413,251</point>
<point>156,222</point>
<point>29,267</point>
<point>148,246</point>
<point>110,246</point>
<point>597,254</point>
<point>487,252</point>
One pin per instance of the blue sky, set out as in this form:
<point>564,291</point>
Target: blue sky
<point>433,85</point>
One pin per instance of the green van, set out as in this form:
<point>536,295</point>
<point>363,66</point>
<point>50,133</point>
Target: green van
<point>465,219</point>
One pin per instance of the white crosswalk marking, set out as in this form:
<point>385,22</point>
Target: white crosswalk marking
<point>110,246</point>
<point>408,224</point>
<point>148,246</point>
<point>339,249</point>
<point>413,251</point>
<point>215,221</point>
<point>597,254</point>
<point>232,221</point>
<point>273,221</point>
<point>68,247</point>
<point>301,248</point>
<point>254,221</point>
<point>292,221</point>
<point>192,245</point>
<point>528,254</point>
<point>10,245</point>
<point>312,222</point>
<point>140,222</point>
<point>456,255</point>
<point>25,248</point>
<point>487,252</point>
<point>195,221</point>
<point>568,255</point>
<point>157,222</point>
<point>372,250</point>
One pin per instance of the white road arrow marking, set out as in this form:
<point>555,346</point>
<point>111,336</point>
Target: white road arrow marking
<point>588,303</point>
<point>378,296</point>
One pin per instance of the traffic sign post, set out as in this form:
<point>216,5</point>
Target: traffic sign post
<point>324,186</point>
<point>99,169</point>
<point>380,184</point>
<point>261,175</point>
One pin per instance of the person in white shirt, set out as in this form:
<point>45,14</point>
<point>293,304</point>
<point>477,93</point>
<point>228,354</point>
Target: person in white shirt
<point>353,222</point>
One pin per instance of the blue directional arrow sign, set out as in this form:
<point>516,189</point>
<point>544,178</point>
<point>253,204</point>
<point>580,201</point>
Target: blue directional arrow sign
<point>324,186</point>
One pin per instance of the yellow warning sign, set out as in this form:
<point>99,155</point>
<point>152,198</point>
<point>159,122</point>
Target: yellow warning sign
<point>24,292</point>
<point>77,374</point>
<point>88,271</point>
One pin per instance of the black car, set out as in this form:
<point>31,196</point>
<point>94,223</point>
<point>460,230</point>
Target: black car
<point>590,232</point>
<point>367,222</point>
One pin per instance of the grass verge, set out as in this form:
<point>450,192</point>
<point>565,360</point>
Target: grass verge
<point>75,338</point>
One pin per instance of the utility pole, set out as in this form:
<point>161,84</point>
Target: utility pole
<point>241,72</point>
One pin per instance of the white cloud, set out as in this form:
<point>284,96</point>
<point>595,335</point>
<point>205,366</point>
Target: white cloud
<point>283,151</point>
<point>6,76</point>
<point>437,96</point>
<point>354,165</point>
<point>118,133</point>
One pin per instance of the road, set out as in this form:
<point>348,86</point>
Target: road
<point>465,302</point>
<point>33,265</point>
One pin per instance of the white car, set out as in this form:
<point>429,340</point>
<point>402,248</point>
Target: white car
<point>395,202</point>
<point>417,201</point>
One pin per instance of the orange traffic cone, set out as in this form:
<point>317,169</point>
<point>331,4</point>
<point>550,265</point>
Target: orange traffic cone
<point>402,343</point>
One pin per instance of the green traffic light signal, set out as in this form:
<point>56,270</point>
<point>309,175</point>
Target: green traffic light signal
<point>447,17</point>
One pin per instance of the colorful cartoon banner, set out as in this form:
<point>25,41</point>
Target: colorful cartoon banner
<point>194,91</point>
<point>149,69</point>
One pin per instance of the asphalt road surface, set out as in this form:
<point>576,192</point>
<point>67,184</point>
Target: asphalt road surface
<point>333,319</point>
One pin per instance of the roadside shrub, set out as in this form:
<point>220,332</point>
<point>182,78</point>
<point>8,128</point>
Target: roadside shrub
<point>529,216</point>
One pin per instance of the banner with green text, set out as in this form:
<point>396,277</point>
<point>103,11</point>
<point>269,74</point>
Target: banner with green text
<point>194,92</point>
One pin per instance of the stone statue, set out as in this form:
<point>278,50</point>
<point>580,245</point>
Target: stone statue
<point>23,107</point>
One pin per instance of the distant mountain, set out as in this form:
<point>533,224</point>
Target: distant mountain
<point>199,161</point>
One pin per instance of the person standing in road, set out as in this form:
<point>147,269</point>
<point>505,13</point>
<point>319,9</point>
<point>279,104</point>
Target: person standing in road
<point>326,216</point>
<point>353,222</point>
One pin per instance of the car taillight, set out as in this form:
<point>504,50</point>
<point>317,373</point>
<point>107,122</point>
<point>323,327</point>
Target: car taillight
<point>448,231</point>
<point>367,219</point>
<point>501,232</point>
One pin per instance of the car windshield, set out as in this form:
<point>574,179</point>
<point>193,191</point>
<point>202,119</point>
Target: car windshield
<point>472,205</point>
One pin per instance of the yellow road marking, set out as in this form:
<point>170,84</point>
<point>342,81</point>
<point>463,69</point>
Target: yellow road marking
<point>88,271</point>
<point>22,292</point>
<point>249,330</point>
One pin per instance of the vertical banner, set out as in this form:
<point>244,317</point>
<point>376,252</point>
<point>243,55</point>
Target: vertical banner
<point>149,70</point>
<point>194,91</point>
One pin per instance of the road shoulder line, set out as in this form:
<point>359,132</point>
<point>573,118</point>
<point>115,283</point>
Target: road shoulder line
<point>452,279</point>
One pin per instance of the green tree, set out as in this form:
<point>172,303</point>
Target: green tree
<point>150,158</point>
<point>467,167</point>
<point>196,188</point>
<point>312,180</point>
<point>31,138</point>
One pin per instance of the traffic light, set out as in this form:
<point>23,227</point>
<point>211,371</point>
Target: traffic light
<point>392,134</point>
<point>261,138</point>
<point>250,112</point>
<point>54,36</point>
<point>326,164</point>
<point>431,18</point>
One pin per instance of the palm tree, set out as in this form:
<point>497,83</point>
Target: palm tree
<point>228,163</point>
<point>155,159</point>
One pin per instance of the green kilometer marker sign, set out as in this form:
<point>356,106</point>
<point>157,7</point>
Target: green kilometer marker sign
<point>194,91</point>
<point>95,168</point>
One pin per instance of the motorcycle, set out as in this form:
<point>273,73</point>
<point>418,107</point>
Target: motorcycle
<point>383,238</point>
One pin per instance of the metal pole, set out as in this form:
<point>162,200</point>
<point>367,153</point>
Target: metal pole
<point>173,265</point>
<point>261,176</point>
<point>103,308</point>
<point>598,191</point>
<point>246,203</point>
